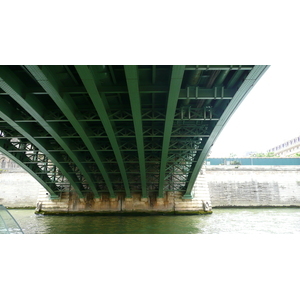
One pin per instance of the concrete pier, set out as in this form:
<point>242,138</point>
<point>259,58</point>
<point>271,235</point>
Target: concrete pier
<point>172,203</point>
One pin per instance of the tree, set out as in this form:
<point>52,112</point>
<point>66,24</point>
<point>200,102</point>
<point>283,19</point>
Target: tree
<point>268,154</point>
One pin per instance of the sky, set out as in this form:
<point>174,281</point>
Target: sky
<point>164,32</point>
<point>268,116</point>
<point>263,33</point>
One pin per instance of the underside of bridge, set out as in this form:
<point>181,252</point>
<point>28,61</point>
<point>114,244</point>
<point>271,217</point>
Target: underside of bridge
<point>117,130</point>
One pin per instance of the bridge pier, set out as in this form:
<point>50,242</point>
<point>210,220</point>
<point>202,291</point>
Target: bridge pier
<point>176,206</point>
<point>171,203</point>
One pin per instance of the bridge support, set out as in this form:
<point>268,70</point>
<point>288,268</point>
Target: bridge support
<point>172,202</point>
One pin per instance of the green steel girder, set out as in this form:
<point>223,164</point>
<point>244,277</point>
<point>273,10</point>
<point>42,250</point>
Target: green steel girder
<point>175,84</point>
<point>47,80</point>
<point>192,133</point>
<point>131,73</point>
<point>219,67</point>
<point>110,90</point>
<point>149,133</point>
<point>244,89</point>
<point>234,78</point>
<point>190,92</point>
<point>90,85</point>
<point>65,145</point>
<point>5,147</point>
<point>120,128</point>
<point>197,93</point>
<point>6,113</point>
<point>205,114</point>
<point>192,114</point>
<point>14,87</point>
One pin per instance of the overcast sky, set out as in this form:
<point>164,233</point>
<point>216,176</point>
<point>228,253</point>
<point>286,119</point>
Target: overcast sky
<point>265,32</point>
<point>268,116</point>
<point>180,32</point>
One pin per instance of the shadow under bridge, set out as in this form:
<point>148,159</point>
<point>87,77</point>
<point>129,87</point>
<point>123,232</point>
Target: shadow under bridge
<point>117,129</point>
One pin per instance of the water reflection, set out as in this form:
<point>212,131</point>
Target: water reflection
<point>256,220</point>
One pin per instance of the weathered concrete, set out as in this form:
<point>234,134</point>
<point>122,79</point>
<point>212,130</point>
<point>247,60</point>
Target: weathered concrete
<point>253,185</point>
<point>172,203</point>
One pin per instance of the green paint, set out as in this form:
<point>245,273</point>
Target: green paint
<point>14,87</point>
<point>131,73</point>
<point>90,85</point>
<point>175,84</point>
<point>241,93</point>
<point>116,128</point>
<point>67,106</point>
<point>31,171</point>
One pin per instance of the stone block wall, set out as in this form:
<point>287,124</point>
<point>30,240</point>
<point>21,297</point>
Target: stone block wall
<point>18,189</point>
<point>254,185</point>
<point>219,186</point>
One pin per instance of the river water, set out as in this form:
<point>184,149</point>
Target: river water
<point>221,221</point>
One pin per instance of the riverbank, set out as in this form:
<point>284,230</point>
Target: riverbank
<point>224,186</point>
<point>253,186</point>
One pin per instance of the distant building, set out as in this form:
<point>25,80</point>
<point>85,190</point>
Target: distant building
<point>288,148</point>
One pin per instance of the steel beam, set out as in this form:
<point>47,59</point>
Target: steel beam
<point>6,111</point>
<point>175,84</point>
<point>47,80</point>
<point>10,83</point>
<point>234,79</point>
<point>118,120</point>
<point>219,67</point>
<point>90,85</point>
<point>191,92</point>
<point>31,171</point>
<point>244,89</point>
<point>128,122</point>
<point>131,73</point>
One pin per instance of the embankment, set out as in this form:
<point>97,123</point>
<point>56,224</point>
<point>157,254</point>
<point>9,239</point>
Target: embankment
<point>253,185</point>
<point>224,186</point>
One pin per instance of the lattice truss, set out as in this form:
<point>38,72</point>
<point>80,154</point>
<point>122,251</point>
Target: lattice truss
<point>29,156</point>
<point>114,129</point>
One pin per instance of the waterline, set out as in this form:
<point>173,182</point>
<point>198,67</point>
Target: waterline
<point>221,221</point>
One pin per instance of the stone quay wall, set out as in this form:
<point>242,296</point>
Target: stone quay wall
<point>219,186</point>
<point>253,186</point>
<point>18,189</point>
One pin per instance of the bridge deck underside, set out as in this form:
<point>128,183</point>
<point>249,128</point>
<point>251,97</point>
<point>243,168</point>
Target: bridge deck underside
<point>117,129</point>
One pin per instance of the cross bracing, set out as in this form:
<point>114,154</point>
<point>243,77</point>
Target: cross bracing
<point>117,129</point>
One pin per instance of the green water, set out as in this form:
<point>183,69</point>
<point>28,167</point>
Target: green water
<point>230,220</point>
